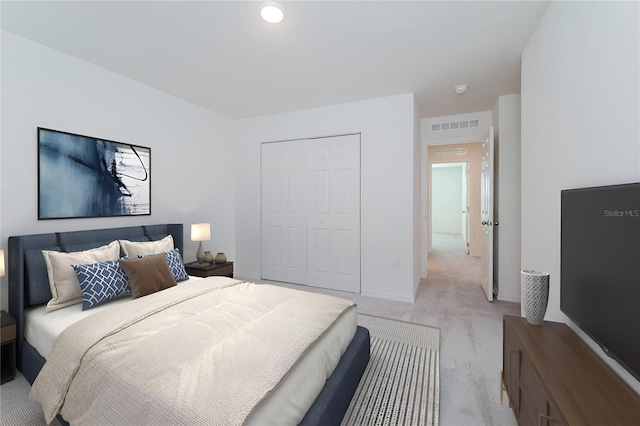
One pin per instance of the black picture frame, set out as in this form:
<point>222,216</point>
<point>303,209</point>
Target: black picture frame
<point>83,176</point>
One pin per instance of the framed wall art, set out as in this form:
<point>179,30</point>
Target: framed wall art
<point>82,176</point>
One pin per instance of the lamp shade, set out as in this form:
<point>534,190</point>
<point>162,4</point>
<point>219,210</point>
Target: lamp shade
<point>1,263</point>
<point>200,232</point>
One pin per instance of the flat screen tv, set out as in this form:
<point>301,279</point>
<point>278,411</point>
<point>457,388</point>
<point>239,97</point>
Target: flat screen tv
<point>600,268</point>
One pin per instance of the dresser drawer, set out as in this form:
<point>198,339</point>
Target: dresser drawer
<point>7,333</point>
<point>511,368</point>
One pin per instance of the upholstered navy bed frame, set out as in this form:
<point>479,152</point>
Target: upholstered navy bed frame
<point>29,286</point>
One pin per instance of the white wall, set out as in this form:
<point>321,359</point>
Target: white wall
<point>446,187</point>
<point>506,123</point>
<point>190,163</point>
<point>580,109</point>
<point>387,186</point>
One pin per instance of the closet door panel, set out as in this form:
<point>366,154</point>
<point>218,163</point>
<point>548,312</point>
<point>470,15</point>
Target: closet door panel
<point>321,251</point>
<point>274,245</point>
<point>284,224</point>
<point>333,258</point>
<point>311,212</point>
<point>345,252</point>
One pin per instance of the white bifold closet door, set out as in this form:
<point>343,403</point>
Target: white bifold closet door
<point>311,212</point>
<point>284,212</point>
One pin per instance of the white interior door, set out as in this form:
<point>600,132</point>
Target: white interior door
<point>465,204</point>
<point>333,254</point>
<point>284,213</point>
<point>486,214</point>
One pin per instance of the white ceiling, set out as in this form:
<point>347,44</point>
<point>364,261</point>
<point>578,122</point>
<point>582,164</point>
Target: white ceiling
<point>222,56</point>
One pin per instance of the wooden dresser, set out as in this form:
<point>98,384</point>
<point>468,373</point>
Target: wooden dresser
<point>553,378</point>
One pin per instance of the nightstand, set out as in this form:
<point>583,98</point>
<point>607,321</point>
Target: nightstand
<point>209,270</point>
<point>8,348</point>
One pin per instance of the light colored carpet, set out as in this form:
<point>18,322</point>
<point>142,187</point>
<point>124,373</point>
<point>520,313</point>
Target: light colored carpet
<point>401,385</point>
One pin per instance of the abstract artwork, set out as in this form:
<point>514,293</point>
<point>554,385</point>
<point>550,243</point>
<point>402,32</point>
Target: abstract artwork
<point>82,176</point>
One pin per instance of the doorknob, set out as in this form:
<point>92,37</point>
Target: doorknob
<point>484,223</point>
<point>496,223</point>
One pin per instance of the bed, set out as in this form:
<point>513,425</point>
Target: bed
<point>29,291</point>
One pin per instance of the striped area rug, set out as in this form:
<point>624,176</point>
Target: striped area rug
<point>27,414</point>
<point>401,383</point>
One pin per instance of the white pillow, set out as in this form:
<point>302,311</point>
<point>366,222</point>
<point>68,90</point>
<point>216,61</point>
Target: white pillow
<point>144,248</point>
<point>63,282</point>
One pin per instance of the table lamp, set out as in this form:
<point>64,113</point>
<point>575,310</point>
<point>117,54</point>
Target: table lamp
<point>200,232</point>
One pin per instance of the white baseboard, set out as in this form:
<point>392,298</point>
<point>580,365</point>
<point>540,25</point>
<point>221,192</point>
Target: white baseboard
<point>388,296</point>
<point>509,298</point>
<point>246,276</point>
<point>377,294</point>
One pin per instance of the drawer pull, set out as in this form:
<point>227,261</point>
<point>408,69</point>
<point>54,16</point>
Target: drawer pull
<point>542,416</point>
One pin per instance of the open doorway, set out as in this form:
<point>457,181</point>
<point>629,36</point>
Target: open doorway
<point>453,200</point>
<point>450,205</point>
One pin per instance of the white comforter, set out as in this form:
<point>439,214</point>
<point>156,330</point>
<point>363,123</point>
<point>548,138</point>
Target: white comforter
<point>204,353</point>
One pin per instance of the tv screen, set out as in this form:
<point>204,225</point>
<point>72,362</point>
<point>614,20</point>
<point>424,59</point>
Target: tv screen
<point>600,268</point>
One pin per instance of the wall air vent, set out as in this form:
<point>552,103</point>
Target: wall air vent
<point>455,151</point>
<point>455,125</point>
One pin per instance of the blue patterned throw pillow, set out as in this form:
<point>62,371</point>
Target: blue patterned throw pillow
<point>101,281</point>
<point>175,264</point>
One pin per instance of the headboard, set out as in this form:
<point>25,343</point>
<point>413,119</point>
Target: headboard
<point>28,279</point>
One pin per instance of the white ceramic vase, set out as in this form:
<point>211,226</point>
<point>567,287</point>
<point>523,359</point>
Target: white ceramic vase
<point>534,295</point>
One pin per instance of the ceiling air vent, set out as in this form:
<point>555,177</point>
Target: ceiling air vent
<point>455,151</point>
<point>455,125</point>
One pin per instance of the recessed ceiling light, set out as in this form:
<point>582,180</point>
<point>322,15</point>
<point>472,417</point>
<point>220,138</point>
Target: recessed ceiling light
<point>461,88</point>
<point>272,12</point>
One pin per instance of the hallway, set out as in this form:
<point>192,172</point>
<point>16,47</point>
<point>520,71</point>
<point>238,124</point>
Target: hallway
<point>449,254</point>
<point>471,334</point>
<point>453,284</point>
